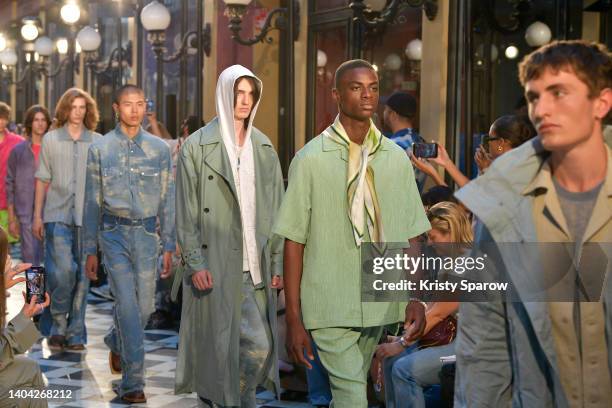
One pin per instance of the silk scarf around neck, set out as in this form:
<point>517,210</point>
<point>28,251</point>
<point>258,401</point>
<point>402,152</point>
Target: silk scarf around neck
<point>363,206</point>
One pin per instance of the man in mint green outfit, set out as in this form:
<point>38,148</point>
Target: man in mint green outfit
<point>344,191</point>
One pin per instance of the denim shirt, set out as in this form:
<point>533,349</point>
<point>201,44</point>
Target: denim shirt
<point>129,179</point>
<point>405,138</point>
<point>20,181</point>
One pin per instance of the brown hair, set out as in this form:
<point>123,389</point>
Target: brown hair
<point>64,106</point>
<point>5,111</point>
<point>3,255</point>
<point>256,94</point>
<point>591,62</point>
<point>31,113</point>
<point>449,218</point>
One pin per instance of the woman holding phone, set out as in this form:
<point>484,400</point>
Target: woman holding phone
<point>17,372</point>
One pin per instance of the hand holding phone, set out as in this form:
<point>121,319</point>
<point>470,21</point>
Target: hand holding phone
<point>150,105</point>
<point>36,284</point>
<point>425,150</point>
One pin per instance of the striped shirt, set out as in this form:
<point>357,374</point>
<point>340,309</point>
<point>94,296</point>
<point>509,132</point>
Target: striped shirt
<point>63,164</point>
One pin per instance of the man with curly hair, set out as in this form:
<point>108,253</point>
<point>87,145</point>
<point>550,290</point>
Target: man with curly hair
<point>60,186</point>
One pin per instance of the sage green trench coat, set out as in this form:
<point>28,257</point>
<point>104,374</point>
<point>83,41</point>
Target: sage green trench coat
<point>209,231</point>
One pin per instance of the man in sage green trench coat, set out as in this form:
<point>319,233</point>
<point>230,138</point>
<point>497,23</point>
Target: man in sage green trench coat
<point>231,266</point>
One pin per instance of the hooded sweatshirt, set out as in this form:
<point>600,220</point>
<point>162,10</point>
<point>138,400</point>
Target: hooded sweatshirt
<point>242,162</point>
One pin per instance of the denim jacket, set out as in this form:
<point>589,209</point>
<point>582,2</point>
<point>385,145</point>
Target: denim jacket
<point>129,179</point>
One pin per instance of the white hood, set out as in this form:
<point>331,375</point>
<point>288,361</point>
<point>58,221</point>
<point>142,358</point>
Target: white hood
<point>225,107</point>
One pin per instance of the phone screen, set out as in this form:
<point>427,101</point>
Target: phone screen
<point>425,150</point>
<point>150,105</point>
<point>36,284</point>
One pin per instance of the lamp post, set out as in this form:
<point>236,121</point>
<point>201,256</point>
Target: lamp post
<point>287,20</point>
<point>156,19</point>
<point>29,33</point>
<point>70,14</point>
<point>374,15</point>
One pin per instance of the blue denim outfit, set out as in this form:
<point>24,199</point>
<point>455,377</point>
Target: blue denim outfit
<point>62,164</point>
<point>405,138</point>
<point>129,185</point>
<point>408,373</point>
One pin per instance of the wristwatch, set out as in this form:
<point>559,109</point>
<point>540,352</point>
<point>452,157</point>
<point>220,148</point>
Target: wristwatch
<point>403,342</point>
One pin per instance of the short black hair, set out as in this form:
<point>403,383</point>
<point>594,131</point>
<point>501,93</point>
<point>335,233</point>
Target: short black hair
<point>349,66</point>
<point>514,128</point>
<point>438,194</point>
<point>127,88</point>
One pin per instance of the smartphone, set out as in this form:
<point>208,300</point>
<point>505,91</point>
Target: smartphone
<point>36,283</point>
<point>150,105</point>
<point>484,142</point>
<point>425,150</point>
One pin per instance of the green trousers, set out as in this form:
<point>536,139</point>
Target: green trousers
<point>346,354</point>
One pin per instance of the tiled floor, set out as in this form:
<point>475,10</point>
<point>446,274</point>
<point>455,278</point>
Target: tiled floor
<point>85,376</point>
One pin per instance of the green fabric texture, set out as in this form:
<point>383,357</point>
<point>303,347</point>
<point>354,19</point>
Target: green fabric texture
<point>315,213</point>
<point>4,225</point>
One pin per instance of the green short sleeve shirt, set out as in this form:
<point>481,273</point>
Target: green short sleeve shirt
<point>314,213</point>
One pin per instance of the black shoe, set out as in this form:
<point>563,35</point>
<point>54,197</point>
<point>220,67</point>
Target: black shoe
<point>158,320</point>
<point>56,342</point>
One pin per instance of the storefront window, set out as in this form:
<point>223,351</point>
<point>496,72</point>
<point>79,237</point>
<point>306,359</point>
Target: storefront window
<point>331,51</point>
<point>387,51</point>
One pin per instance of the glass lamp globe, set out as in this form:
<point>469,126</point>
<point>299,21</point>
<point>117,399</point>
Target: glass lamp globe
<point>538,34</point>
<point>29,31</point>
<point>89,39</point>
<point>414,50</point>
<point>62,45</point>
<point>511,52</point>
<point>155,17</point>
<point>321,59</point>
<point>43,46</point>
<point>8,57</point>
<point>70,12</point>
<point>393,62</point>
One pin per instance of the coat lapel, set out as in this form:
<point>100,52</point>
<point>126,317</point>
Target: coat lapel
<point>216,157</point>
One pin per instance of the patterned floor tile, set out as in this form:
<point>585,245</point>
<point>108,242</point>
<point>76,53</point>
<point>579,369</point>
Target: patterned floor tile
<point>86,376</point>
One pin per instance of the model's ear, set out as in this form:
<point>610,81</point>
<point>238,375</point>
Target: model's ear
<point>603,104</point>
<point>336,95</point>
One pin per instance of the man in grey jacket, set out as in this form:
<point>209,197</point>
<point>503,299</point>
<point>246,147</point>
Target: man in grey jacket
<point>554,189</point>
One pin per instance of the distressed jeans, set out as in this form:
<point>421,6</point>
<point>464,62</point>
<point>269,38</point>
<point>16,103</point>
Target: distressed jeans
<point>66,282</point>
<point>130,258</point>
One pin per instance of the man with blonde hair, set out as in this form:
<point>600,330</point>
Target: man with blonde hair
<point>60,186</point>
